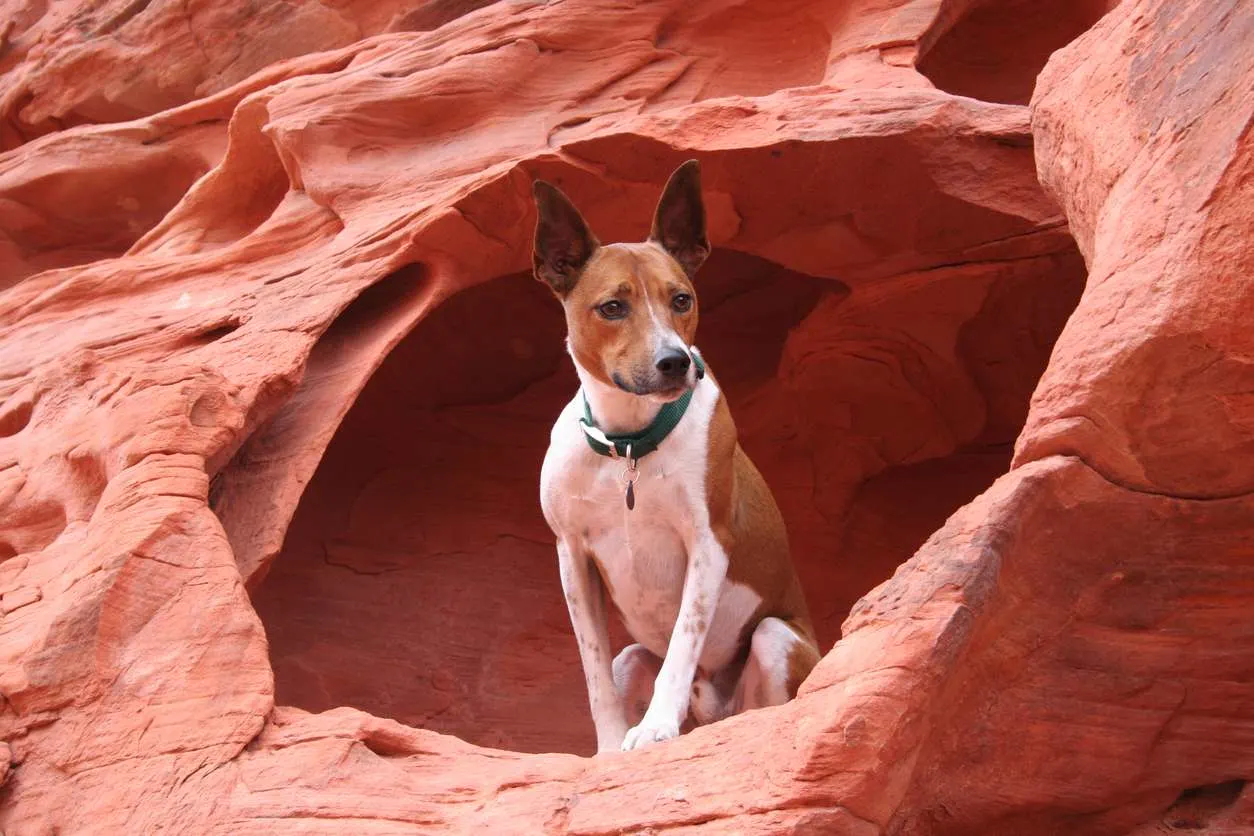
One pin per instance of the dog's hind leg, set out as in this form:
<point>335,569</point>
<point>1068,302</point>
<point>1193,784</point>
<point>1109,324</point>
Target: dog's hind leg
<point>635,669</point>
<point>713,697</point>
<point>780,658</point>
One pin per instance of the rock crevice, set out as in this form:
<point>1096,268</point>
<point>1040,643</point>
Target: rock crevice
<point>266,338</point>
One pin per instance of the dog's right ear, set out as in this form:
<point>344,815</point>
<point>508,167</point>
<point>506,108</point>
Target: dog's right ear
<point>563,241</point>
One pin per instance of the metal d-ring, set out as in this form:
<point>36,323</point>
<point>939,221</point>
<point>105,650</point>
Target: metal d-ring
<point>631,473</point>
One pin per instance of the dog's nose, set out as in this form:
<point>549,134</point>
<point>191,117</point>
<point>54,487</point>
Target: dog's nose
<point>673,363</point>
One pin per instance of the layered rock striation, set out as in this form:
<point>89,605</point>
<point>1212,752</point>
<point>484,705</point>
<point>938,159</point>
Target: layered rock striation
<point>275,389</point>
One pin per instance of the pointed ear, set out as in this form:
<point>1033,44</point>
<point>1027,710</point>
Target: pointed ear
<point>563,242</point>
<point>679,224</point>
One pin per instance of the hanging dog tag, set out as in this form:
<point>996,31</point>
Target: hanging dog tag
<point>630,475</point>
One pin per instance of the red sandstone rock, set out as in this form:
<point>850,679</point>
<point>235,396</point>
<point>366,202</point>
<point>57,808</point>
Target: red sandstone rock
<point>113,61</point>
<point>271,426</point>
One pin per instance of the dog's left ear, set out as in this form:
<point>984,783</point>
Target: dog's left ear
<point>679,223</point>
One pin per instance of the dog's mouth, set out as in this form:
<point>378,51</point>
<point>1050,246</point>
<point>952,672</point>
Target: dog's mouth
<point>668,395</point>
<point>662,392</point>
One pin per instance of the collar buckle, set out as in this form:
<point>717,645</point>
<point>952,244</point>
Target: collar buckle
<point>594,433</point>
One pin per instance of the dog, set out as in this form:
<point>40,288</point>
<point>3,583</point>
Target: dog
<point>649,495</point>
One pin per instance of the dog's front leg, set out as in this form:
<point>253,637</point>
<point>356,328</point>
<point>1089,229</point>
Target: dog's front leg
<point>585,600</point>
<point>672,691</point>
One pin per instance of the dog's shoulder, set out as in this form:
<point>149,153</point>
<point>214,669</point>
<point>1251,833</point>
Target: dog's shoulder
<point>567,448</point>
<point>566,439</point>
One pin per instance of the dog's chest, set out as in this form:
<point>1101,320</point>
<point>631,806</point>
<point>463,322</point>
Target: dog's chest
<point>641,552</point>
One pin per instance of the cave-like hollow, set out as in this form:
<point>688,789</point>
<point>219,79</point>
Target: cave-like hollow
<point>994,49</point>
<point>418,580</point>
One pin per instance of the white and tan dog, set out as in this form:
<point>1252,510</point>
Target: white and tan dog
<point>650,495</point>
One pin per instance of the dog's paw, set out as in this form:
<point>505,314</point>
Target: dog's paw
<point>649,732</point>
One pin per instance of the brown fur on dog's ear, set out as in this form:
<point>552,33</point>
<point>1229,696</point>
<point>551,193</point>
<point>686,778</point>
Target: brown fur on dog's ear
<point>563,242</point>
<point>679,223</point>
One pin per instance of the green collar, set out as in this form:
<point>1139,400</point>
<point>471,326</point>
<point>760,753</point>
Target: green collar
<point>638,445</point>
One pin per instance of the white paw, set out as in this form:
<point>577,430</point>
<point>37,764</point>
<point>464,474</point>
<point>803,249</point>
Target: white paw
<point>649,731</point>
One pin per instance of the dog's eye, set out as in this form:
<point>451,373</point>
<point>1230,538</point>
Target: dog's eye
<point>612,309</point>
<point>682,302</point>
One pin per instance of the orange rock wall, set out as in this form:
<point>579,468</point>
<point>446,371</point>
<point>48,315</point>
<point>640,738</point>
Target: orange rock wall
<point>275,390</point>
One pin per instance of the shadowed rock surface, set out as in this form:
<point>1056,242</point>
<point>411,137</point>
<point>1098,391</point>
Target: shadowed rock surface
<point>276,386</point>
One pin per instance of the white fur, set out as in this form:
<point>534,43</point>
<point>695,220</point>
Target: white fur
<point>661,560</point>
<point>764,680</point>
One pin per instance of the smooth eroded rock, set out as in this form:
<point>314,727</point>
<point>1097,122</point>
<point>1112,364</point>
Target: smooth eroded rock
<point>274,389</point>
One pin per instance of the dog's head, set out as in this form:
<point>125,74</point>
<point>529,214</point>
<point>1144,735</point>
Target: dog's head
<point>631,309</point>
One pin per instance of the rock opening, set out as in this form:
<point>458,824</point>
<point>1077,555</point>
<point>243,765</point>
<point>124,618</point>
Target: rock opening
<point>994,49</point>
<point>417,580</point>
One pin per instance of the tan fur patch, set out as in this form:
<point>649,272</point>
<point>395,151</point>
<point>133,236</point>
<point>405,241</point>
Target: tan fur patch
<point>749,526</point>
<point>646,279</point>
<point>801,660</point>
